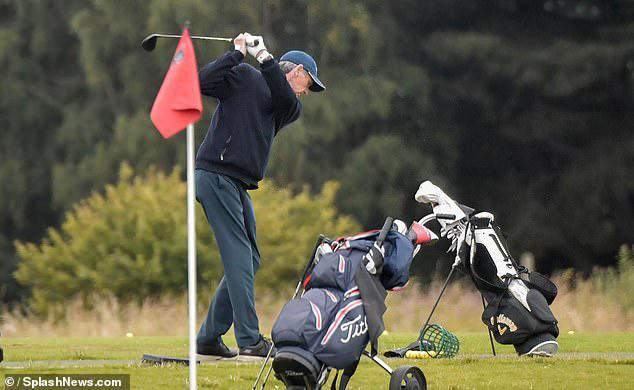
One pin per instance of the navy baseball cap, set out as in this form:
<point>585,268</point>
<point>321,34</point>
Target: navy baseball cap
<point>299,57</point>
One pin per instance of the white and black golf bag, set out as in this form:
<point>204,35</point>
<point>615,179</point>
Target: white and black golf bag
<point>517,308</point>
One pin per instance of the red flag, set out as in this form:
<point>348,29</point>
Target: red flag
<point>178,102</point>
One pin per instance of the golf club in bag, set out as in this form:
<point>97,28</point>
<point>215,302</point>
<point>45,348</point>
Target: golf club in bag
<point>340,310</point>
<point>517,303</point>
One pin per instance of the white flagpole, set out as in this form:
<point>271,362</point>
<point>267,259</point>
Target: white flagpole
<point>191,255</point>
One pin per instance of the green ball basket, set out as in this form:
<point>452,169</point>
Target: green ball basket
<point>438,342</point>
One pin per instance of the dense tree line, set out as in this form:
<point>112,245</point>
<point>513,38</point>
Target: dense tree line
<point>520,107</point>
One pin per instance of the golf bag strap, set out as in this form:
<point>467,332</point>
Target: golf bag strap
<point>373,296</point>
<point>374,347</point>
<point>498,299</point>
<point>348,372</point>
<point>479,281</point>
<point>502,239</point>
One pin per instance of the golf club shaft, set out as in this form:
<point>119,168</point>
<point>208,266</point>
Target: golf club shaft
<point>195,37</point>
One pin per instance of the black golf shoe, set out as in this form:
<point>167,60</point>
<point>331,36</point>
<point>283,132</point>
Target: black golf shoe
<point>258,350</point>
<point>216,350</point>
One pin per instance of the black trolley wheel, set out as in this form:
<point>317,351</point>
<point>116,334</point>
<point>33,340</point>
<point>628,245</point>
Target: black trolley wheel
<point>408,378</point>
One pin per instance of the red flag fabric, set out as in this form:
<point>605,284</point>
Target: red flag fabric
<point>178,102</point>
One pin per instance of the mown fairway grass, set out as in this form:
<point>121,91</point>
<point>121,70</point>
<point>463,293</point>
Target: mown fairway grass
<point>586,361</point>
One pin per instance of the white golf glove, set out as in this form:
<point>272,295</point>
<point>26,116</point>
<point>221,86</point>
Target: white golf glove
<point>373,257</point>
<point>255,47</point>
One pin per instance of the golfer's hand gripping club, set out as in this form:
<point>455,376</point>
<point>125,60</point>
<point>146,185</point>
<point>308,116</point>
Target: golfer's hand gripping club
<point>243,41</point>
<point>257,49</point>
<point>253,41</point>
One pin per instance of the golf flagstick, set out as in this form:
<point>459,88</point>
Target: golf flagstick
<point>191,255</point>
<point>178,104</point>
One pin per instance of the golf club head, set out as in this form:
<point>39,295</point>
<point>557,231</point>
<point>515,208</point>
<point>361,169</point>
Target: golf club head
<point>149,43</point>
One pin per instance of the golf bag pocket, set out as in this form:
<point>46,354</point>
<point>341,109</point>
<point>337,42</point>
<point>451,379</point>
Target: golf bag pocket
<point>302,320</point>
<point>398,258</point>
<point>326,324</point>
<point>542,284</point>
<point>345,337</point>
<point>512,323</point>
<point>540,310</point>
<point>289,326</point>
<point>334,271</point>
<point>508,320</point>
<point>396,262</point>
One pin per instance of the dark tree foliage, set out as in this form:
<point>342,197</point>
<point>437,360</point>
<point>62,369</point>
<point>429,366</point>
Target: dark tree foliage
<point>521,107</point>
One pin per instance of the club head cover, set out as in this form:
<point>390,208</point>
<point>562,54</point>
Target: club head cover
<point>399,226</point>
<point>322,249</point>
<point>441,203</point>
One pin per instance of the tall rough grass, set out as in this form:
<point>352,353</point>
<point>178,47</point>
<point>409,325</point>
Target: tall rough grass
<point>603,302</point>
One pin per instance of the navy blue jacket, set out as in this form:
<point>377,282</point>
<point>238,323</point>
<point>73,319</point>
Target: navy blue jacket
<point>252,107</point>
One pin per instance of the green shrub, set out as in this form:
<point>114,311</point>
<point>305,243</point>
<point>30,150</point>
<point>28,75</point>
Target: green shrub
<point>131,242</point>
<point>288,227</point>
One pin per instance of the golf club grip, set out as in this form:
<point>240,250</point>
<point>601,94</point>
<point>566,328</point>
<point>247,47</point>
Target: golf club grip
<point>309,264</point>
<point>387,226</point>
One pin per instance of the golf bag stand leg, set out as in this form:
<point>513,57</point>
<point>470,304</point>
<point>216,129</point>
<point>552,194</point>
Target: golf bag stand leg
<point>307,270</point>
<point>444,287</point>
<point>490,333</point>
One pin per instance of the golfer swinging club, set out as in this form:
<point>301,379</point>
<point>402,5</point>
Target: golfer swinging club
<point>253,106</point>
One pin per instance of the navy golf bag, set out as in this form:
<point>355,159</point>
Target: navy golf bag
<point>517,310</point>
<point>341,309</point>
